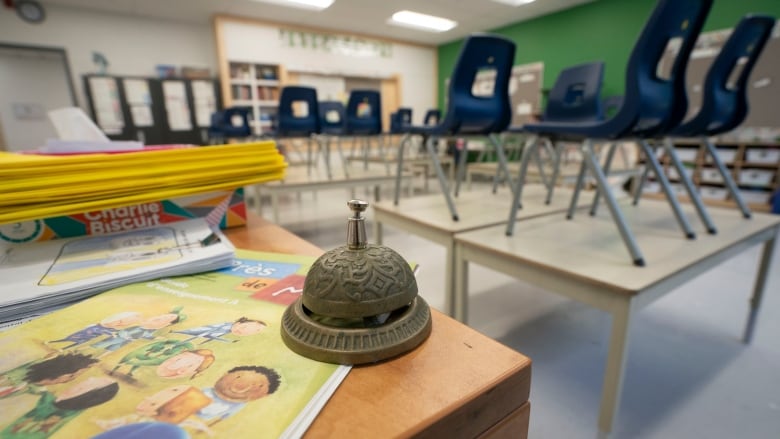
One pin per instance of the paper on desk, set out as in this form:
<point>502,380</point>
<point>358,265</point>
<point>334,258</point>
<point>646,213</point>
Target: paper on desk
<point>42,274</point>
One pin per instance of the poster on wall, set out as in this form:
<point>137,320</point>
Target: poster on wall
<point>105,98</point>
<point>205,102</point>
<point>140,102</point>
<point>177,105</point>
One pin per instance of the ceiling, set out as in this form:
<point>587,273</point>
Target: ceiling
<point>367,17</point>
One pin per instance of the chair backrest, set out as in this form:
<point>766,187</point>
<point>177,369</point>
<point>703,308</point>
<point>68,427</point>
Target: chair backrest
<point>400,119</point>
<point>576,94</point>
<point>611,105</point>
<point>470,114</point>
<point>231,122</point>
<point>658,104</point>
<point>332,117</point>
<point>724,101</point>
<point>298,114</point>
<point>432,117</point>
<point>364,112</point>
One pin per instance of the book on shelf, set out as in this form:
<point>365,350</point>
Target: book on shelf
<point>192,356</point>
<point>39,275</point>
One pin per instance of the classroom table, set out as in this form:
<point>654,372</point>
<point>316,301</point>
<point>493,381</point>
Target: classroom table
<point>584,259</point>
<point>458,383</point>
<point>428,217</point>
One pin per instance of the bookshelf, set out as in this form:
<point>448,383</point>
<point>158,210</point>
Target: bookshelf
<point>754,165</point>
<point>257,86</point>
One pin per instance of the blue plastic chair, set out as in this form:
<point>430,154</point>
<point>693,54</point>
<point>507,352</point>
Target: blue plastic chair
<point>467,114</point>
<point>400,119</point>
<point>332,125</point>
<point>725,104</point>
<point>299,117</point>
<point>652,106</point>
<point>432,117</point>
<point>574,98</point>
<point>364,120</point>
<point>223,127</point>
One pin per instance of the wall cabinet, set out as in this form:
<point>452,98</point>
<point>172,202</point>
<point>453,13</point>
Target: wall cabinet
<point>257,87</point>
<point>755,167</point>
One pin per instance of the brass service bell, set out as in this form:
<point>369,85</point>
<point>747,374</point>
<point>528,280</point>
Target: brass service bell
<point>359,303</point>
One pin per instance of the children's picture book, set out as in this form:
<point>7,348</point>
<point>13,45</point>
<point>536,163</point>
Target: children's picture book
<point>42,274</point>
<point>197,356</point>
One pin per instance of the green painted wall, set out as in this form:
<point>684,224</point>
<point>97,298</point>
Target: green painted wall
<point>603,30</point>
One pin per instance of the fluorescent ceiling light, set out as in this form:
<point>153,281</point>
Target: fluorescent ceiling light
<point>515,2</point>
<point>304,4</point>
<point>422,21</point>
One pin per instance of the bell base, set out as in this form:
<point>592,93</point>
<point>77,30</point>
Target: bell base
<point>404,330</point>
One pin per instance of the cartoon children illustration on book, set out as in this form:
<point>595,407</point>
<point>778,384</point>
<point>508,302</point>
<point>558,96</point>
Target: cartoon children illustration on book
<point>106,327</point>
<point>53,411</point>
<point>147,328</point>
<point>241,327</point>
<point>173,358</point>
<point>235,389</point>
<point>34,376</point>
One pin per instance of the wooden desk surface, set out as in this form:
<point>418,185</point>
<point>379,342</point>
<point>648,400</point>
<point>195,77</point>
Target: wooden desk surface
<point>458,383</point>
<point>591,250</point>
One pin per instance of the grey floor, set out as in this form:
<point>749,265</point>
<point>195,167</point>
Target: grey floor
<point>687,376</point>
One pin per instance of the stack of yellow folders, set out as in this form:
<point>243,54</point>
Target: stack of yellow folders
<point>41,186</point>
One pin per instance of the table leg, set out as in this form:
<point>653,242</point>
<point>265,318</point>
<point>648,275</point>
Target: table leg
<point>275,206</point>
<point>457,301</point>
<point>758,289</point>
<point>378,231</point>
<point>616,365</point>
<point>449,279</point>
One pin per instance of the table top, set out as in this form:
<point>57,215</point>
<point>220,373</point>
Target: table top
<point>479,208</point>
<point>457,382</point>
<point>590,248</point>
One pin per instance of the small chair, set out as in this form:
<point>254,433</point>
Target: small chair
<point>364,119</point>
<point>574,98</point>
<point>230,123</point>
<point>467,114</point>
<point>652,106</point>
<point>724,103</point>
<point>332,125</point>
<point>432,117</point>
<point>399,119</point>
<point>299,117</point>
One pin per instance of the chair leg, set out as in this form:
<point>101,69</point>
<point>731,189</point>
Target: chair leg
<point>589,158</point>
<point>540,166</point>
<point>557,152</point>
<point>607,166</point>
<point>442,179</point>
<point>724,172</point>
<point>640,187</point>
<point>671,197</point>
<point>517,193</point>
<point>400,169</point>
<point>460,175</point>
<point>693,194</point>
<point>502,162</point>
<point>577,188</point>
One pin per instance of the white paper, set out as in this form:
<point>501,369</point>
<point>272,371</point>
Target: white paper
<point>105,98</point>
<point>205,102</point>
<point>72,124</point>
<point>142,115</point>
<point>177,105</point>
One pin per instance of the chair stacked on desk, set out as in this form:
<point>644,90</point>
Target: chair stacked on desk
<point>724,105</point>
<point>652,107</point>
<point>469,115</point>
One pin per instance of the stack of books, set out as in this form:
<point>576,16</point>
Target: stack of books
<point>39,186</point>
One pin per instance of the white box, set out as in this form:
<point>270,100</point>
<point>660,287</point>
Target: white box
<point>755,197</point>
<point>762,155</point>
<point>651,187</point>
<point>756,177</point>
<point>713,193</point>
<point>727,155</point>
<point>673,175</point>
<point>687,154</point>
<point>711,175</point>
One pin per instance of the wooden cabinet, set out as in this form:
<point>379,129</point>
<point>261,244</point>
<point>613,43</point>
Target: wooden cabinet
<point>755,167</point>
<point>256,86</point>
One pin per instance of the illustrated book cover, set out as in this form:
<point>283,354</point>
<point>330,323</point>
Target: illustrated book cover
<point>197,356</point>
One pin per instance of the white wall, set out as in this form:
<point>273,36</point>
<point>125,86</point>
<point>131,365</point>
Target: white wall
<point>132,45</point>
<point>255,42</point>
<point>30,86</point>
